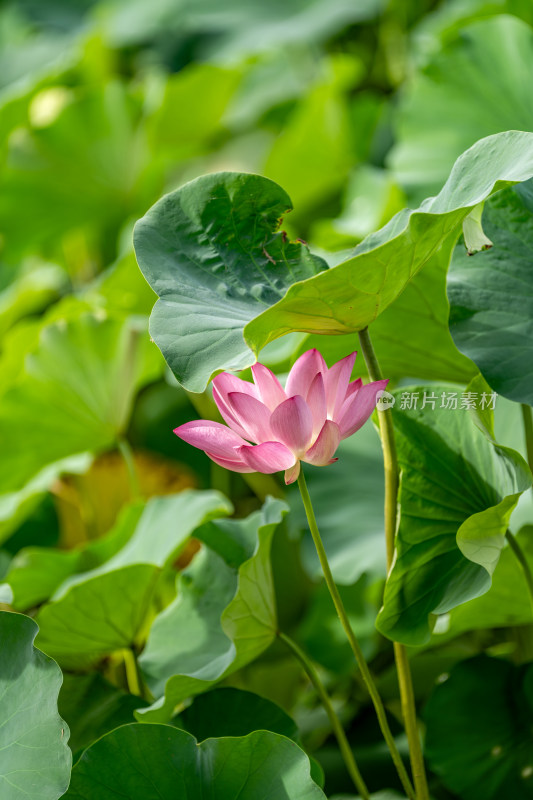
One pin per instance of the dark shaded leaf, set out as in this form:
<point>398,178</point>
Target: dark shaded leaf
<point>491,299</point>
<point>158,762</point>
<point>478,736</point>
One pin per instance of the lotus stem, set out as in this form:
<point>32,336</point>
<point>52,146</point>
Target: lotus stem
<point>354,644</point>
<point>522,560</point>
<point>392,482</point>
<point>344,745</point>
<point>527,416</point>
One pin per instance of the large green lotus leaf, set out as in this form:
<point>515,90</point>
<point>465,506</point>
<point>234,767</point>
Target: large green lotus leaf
<point>479,84</point>
<point>116,293</point>
<point>208,299</point>
<point>95,613</point>
<point>478,737</point>
<point>233,712</point>
<point>158,762</point>
<point>506,604</point>
<point>21,341</point>
<point>491,299</point>
<point>92,707</point>
<point>74,395</point>
<point>458,489</point>
<point>195,246</point>
<point>350,296</point>
<point>36,572</point>
<point>160,533</point>
<point>422,306</point>
<point>32,344</point>
<point>97,617</point>
<point>212,253</point>
<point>34,756</point>
<point>151,533</point>
<point>224,615</point>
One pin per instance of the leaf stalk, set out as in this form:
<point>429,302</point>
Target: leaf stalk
<point>134,677</point>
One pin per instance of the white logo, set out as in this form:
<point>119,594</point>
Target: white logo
<point>385,400</point>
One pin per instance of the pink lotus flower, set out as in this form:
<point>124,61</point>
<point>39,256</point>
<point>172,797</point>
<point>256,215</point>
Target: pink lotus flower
<point>303,422</point>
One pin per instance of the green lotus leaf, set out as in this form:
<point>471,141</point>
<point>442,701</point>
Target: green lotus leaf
<point>506,603</point>
<point>350,522</point>
<point>95,613</point>
<point>92,707</point>
<point>491,299</point>
<point>213,254</point>
<point>224,615</point>
<point>478,736</point>
<point>233,712</point>
<point>458,489</point>
<point>74,395</point>
<point>158,762</point>
<point>97,617</point>
<point>35,573</point>
<point>34,756</point>
<point>353,294</point>
<point>478,84</point>
<point>229,283</point>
